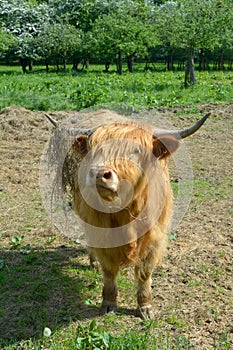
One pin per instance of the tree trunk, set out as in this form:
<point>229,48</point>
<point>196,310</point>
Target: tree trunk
<point>75,64</point>
<point>85,63</point>
<point>64,63</point>
<point>30,65</point>
<point>107,65</point>
<point>221,61</point>
<point>130,62</point>
<point>181,64</point>
<point>119,63</point>
<point>230,64</point>
<point>47,65</point>
<point>203,61</point>
<point>170,60</point>
<point>24,62</point>
<point>215,64</point>
<point>190,77</point>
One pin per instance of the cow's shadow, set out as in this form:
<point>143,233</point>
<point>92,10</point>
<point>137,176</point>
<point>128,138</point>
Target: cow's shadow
<point>37,291</point>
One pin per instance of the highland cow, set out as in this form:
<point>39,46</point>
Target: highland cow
<point>121,191</point>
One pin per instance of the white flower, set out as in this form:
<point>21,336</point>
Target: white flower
<point>47,332</point>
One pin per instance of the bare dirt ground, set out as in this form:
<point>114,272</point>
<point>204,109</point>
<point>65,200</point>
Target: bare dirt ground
<point>193,289</point>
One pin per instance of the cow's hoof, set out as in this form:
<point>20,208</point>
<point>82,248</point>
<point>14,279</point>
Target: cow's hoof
<point>107,309</point>
<point>145,312</point>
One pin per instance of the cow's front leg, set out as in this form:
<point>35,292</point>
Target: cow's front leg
<point>143,271</point>
<point>144,294</point>
<point>109,293</point>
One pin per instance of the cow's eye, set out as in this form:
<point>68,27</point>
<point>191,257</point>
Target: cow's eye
<point>135,153</point>
<point>138,150</point>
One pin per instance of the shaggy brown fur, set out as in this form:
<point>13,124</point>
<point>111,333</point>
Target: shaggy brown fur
<point>127,152</point>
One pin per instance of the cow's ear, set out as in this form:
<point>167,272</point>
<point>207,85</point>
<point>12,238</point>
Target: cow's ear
<point>164,146</point>
<point>80,144</point>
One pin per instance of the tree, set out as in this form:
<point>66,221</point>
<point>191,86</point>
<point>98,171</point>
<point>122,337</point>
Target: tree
<point>122,34</point>
<point>191,25</point>
<point>7,40</point>
<point>24,19</point>
<point>199,30</point>
<point>85,14</point>
<point>82,13</point>
<point>225,32</point>
<point>58,40</point>
<point>113,31</point>
<point>166,23</point>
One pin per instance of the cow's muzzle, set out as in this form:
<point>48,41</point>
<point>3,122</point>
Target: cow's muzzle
<point>103,178</point>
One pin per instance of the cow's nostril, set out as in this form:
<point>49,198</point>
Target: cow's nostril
<point>107,175</point>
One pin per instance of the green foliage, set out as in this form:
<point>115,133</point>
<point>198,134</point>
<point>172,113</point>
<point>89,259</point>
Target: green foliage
<point>59,91</point>
<point>17,241</point>
<point>59,40</point>
<point>114,33</point>
<point>24,20</point>
<point>198,24</point>
<point>93,337</point>
<point>7,40</point>
<point>194,27</point>
<point>110,31</point>
<point>223,342</point>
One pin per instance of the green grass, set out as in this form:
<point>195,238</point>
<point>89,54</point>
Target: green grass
<point>42,283</point>
<point>76,91</point>
<point>206,191</point>
<point>95,336</point>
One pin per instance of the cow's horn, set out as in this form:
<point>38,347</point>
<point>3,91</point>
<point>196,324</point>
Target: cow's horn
<point>72,131</point>
<point>83,131</point>
<point>181,134</point>
<point>53,121</point>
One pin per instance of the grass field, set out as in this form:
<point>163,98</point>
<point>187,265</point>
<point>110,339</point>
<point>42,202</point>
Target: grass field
<point>46,280</point>
<point>79,90</point>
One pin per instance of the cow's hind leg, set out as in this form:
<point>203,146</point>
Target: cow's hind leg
<point>109,293</point>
